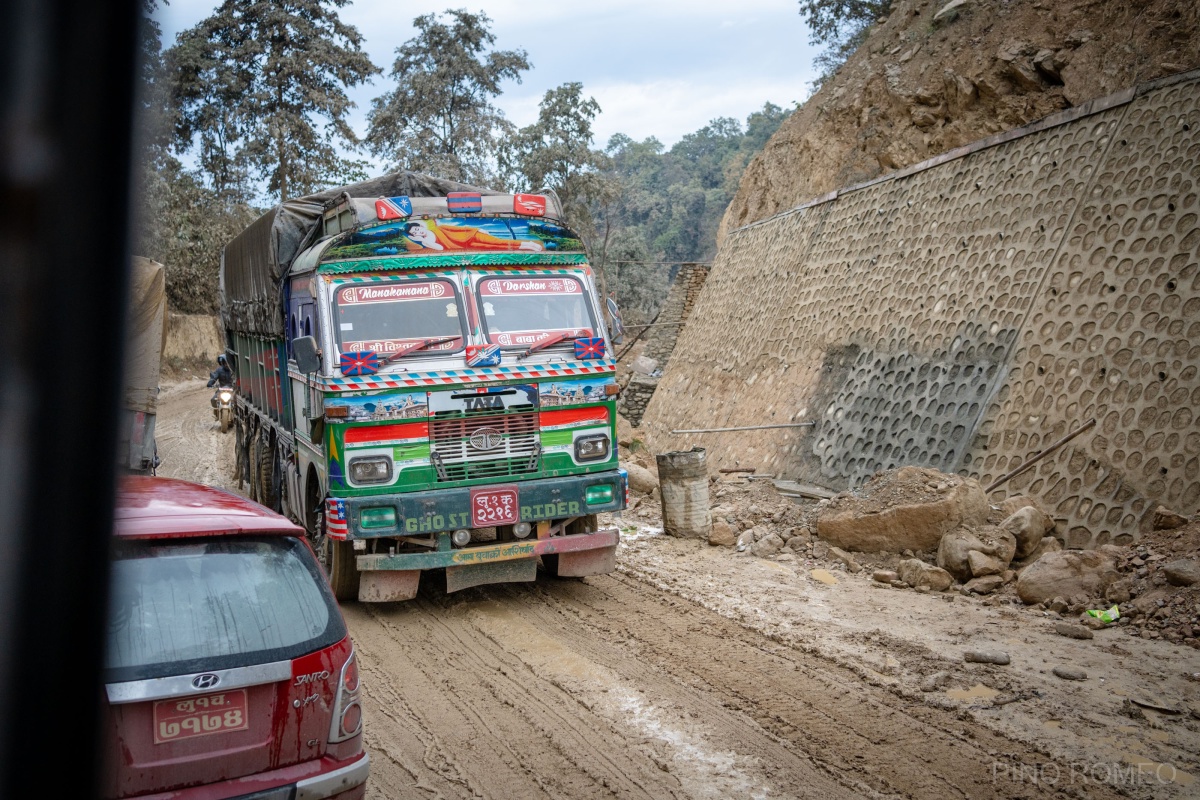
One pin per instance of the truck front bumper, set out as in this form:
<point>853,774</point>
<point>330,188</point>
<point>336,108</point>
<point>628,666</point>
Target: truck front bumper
<point>392,576</point>
<point>438,510</point>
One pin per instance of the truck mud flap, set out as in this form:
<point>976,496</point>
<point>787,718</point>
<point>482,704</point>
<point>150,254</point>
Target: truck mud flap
<point>522,569</point>
<point>582,563</point>
<point>388,586</point>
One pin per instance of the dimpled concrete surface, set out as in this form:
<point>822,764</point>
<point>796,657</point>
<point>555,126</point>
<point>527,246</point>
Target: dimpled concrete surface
<point>967,312</point>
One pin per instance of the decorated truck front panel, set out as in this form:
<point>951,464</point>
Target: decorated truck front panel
<point>462,411</point>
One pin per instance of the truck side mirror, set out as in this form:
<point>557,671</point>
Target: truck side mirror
<point>308,357</point>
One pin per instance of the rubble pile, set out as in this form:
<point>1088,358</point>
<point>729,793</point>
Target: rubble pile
<point>921,529</point>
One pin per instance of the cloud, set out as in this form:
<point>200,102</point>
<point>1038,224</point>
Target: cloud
<point>662,68</point>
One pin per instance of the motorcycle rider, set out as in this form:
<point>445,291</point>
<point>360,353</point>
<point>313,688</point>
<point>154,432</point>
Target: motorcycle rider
<point>222,376</point>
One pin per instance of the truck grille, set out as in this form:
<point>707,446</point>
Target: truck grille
<point>467,446</point>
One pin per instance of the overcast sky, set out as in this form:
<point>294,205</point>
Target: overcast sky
<point>659,68</point>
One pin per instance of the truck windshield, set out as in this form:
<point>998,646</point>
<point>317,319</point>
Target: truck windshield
<point>517,312</point>
<point>384,317</point>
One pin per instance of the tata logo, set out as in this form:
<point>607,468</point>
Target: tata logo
<point>486,439</point>
<point>483,402</point>
<point>206,681</point>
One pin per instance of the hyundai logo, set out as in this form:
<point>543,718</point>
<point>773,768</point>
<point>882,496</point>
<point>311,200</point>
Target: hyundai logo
<point>206,681</point>
<point>486,439</point>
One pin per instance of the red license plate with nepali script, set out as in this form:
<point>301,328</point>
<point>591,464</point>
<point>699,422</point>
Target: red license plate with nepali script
<point>199,716</point>
<point>495,505</point>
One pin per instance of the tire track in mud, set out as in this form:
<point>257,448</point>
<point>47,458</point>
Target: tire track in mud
<point>460,716</point>
<point>612,688</point>
<point>190,445</point>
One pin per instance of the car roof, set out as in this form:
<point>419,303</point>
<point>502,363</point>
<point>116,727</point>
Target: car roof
<point>158,508</point>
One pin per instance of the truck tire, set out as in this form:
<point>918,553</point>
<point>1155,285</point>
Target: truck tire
<point>582,525</point>
<point>342,567</point>
<point>265,474</point>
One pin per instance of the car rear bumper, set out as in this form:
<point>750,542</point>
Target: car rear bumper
<point>310,780</point>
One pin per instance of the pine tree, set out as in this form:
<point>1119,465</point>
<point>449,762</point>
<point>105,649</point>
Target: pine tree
<point>261,88</point>
<point>440,118</point>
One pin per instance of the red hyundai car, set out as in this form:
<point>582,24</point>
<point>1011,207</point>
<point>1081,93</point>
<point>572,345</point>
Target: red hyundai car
<point>229,671</point>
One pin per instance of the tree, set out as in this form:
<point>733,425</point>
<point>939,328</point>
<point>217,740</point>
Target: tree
<point>556,152</point>
<point>440,118</point>
<point>261,88</point>
<point>840,25</point>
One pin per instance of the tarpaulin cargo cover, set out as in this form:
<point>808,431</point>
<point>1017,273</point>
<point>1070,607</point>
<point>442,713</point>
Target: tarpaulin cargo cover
<point>255,263</point>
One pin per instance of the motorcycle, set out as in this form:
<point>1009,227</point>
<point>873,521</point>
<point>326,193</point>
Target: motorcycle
<point>222,403</point>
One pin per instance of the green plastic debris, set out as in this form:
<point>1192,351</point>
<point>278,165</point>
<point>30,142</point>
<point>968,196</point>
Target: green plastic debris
<point>1112,615</point>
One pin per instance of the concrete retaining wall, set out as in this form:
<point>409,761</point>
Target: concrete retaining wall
<point>968,311</point>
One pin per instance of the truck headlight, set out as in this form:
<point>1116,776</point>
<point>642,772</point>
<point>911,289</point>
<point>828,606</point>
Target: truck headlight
<point>372,469</point>
<point>593,447</point>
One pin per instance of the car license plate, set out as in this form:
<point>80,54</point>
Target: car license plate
<point>495,505</point>
<point>200,716</point>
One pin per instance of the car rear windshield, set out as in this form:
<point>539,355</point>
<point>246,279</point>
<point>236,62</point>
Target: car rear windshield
<point>198,605</point>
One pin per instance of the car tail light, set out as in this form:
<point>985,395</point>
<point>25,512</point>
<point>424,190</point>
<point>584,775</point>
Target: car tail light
<point>347,710</point>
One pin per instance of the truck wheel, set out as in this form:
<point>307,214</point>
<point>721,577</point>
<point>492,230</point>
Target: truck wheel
<point>252,467</point>
<point>342,567</point>
<point>266,472</point>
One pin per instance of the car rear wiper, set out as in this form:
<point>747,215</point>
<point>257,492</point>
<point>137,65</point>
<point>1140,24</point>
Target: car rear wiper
<point>413,347</point>
<point>554,338</point>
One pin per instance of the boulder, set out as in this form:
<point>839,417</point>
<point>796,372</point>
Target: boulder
<point>981,565</point>
<point>916,573</point>
<point>844,557</point>
<point>1184,572</point>
<point>1048,544</point>
<point>1027,525</point>
<point>869,525</point>
<point>885,576</point>
<point>1119,592</point>
<point>1011,505</point>
<point>722,534</point>
<point>947,12</point>
<point>746,538</point>
<point>797,544</point>
<point>985,585</point>
<point>641,480</point>
<point>1165,519</point>
<point>800,536</point>
<point>769,545</point>
<point>1068,573</point>
<point>956,546</point>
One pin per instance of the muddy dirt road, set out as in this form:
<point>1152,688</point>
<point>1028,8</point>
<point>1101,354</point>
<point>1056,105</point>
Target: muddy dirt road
<point>615,687</point>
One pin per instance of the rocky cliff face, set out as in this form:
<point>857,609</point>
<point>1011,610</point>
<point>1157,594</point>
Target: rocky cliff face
<point>938,75</point>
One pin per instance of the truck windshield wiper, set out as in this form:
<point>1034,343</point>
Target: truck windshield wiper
<point>413,347</point>
<point>549,340</point>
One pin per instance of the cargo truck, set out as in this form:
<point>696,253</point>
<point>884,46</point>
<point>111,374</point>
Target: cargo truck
<point>425,381</point>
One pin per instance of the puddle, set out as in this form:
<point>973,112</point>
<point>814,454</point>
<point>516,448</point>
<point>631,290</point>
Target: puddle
<point>976,692</point>
<point>642,532</point>
<point>1155,771</point>
<point>824,576</point>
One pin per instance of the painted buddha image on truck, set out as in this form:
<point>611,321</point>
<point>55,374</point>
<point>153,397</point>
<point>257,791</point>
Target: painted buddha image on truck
<point>426,382</point>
